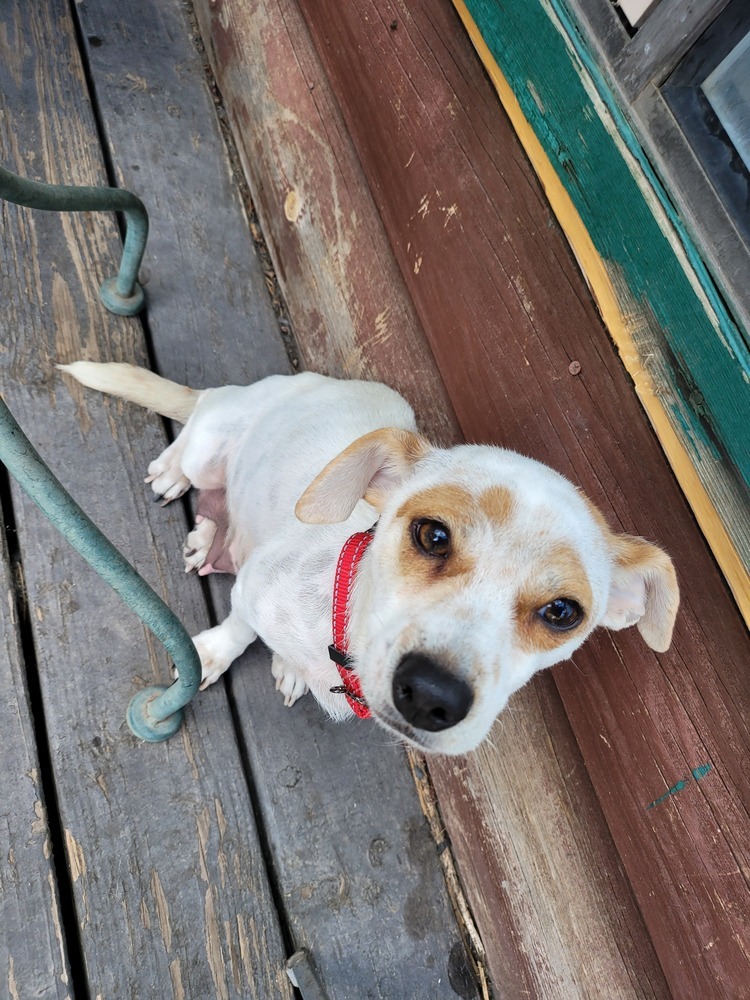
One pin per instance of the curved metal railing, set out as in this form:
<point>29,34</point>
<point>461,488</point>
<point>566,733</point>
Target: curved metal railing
<point>155,713</point>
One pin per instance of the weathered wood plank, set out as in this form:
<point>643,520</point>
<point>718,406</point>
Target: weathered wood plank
<point>204,279</point>
<point>712,225</point>
<point>715,227</point>
<point>357,873</point>
<point>170,885</point>
<point>33,959</point>
<point>677,337</point>
<point>341,284</point>
<point>506,312</point>
<point>527,833</point>
<point>605,31</point>
<point>358,867</point>
<point>613,946</point>
<point>659,44</point>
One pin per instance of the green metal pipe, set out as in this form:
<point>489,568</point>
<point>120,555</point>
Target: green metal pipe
<point>122,295</point>
<point>155,713</point>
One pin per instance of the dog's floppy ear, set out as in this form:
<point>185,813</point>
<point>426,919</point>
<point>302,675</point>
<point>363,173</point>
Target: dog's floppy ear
<point>369,468</point>
<point>643,591</point>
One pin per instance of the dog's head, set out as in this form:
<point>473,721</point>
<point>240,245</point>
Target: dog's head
<point>485,567</point>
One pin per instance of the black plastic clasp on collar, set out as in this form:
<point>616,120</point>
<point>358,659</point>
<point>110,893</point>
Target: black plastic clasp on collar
<point>342,659</point>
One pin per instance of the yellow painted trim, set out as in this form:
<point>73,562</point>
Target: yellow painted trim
<point>619,325</point>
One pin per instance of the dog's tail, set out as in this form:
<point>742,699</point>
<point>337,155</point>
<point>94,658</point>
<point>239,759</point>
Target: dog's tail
<point>138,385</point>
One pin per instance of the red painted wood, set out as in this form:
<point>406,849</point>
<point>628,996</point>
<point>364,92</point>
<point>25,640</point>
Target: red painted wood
<point>506,312</point>
<point>285,117</point>
<point>341,284</point>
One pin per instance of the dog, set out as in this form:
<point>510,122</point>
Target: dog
<point>484,566</point>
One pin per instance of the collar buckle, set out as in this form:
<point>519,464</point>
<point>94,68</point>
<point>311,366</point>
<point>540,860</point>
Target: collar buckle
<point>340,658</point>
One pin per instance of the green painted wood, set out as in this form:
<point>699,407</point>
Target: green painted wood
<point>710,364</point>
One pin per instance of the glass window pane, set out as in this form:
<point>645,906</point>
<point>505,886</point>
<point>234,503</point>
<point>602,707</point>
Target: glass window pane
<point>728,90</point>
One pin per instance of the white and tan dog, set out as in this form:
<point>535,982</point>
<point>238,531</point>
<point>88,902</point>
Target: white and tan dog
<point>485,566</point>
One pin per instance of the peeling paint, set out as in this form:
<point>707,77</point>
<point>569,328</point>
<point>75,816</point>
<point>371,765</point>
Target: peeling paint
<point>58,929</point>
<point>450,212</point>
<point>292,206</point>
<point>39,825</point>
<point>12,985</point>
<point>203,823</point>
<point>145,916</point>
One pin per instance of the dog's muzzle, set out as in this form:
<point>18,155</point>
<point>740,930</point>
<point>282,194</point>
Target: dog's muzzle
<point>428,695</point>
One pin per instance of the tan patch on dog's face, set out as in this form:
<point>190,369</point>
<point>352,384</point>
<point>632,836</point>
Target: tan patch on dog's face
<point>458,509</point>
<point>498,503</point>
<point>452,506</point>
<point>562,576</point>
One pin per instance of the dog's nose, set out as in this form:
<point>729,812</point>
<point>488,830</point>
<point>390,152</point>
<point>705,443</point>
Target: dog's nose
<point>428,696</point>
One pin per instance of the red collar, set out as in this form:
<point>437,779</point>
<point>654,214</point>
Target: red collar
<point>346,571</point>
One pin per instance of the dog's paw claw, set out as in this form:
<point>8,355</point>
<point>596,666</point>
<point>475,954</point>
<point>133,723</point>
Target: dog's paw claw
<point>214,660</point>
<point>166,480</point>
<point>288,682</point>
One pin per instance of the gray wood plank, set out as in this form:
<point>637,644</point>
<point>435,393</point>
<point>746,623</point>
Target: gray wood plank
<point>208,302</point>
<point>712,226</point>
<point>170,885</point>
<point>33,960</point>
<point>357,871</point>
<point>659,44</point>
<point>603,27</point>
<point>358,867</point>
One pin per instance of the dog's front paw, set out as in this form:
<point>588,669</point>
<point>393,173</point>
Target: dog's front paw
<point>198,544</point>
<point>290,683</point>
<point>220,646</point>
<point>215,658</point>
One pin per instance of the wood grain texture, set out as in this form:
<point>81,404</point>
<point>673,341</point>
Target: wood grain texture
<point>659,44</point>
<point>546,885</point>
<point>506,311</point>
<point>614,944</point>
<point>341,284</point>
<point>712,225</point>
<point>32,950</point>
<point>357,865</point>
<point>357,874</point>
<point>203,276</point>
<point>169,884</point>
<point>678,339</point>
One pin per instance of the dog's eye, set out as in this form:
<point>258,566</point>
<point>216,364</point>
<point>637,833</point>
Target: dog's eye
<point>561,614</point>
<point>431,537</point>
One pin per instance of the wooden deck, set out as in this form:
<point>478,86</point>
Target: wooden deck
<point>412,242</point>
<point>600,856</point>
<point>192,868</point>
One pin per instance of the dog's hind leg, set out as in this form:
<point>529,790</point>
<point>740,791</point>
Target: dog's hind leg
<point>198,455</point>
<point>198,545</point>
<point>165,472</point>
